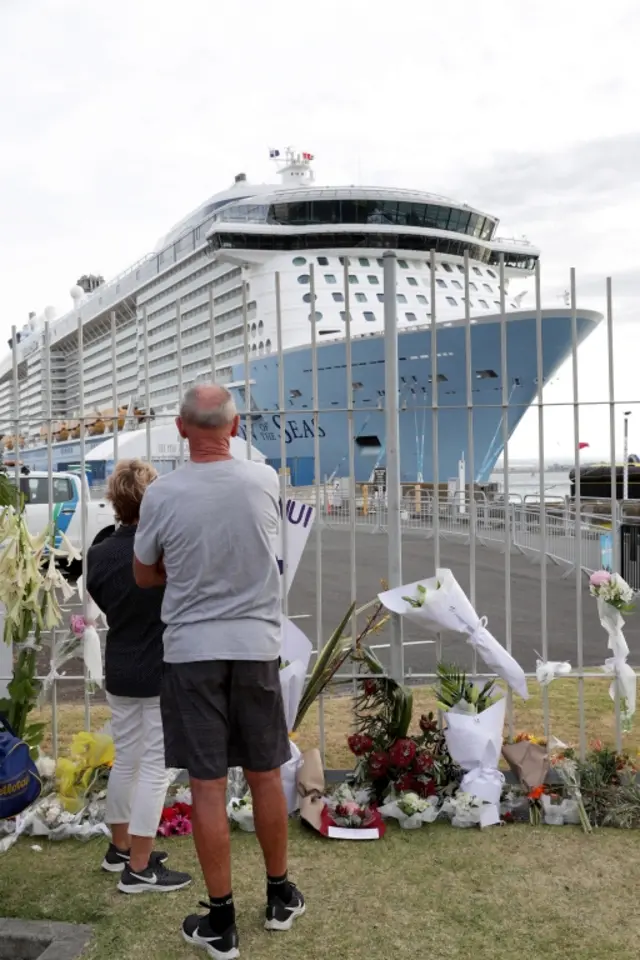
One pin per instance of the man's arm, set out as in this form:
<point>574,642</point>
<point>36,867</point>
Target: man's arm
<point>148,565</point>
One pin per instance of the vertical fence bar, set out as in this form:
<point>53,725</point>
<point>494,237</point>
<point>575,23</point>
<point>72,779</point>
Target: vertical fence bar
<point>50,522</point>
<point>470,446</point>
<point>247,370</point>
<point>544,630</point>
<point>317,479</point>
<point>283,448</point>
<point>435,445</point>
<point>114,385</point>
<point>212,331</point>
<point>504,376</point>
<point>351,452</point>
<point>577,532</point>
<point>16,410</point>
<point>615,531</point>
<point>392,435</point>
<point>147,385</point>
<point>84,506</point>
<point>179,355</point>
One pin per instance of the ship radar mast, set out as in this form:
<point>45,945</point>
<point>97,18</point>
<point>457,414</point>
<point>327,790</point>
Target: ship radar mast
<point>294,167</point>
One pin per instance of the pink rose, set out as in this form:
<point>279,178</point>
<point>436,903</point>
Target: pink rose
<point>599,578</point>
<point>77,624</point>
<point>351,808</point>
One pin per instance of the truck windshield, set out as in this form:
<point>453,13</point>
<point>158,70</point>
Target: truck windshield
<point>36,490</point>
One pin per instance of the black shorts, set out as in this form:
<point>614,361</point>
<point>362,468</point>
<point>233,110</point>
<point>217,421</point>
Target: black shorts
<point>219,714</point>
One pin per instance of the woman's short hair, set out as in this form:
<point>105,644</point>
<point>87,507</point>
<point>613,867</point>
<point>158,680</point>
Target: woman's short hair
<point>126,488</point>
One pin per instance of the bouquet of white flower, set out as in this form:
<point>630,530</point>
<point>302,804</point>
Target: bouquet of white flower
<point>615,597</point>
<point>240,811</point>
<point>410,810</point>
<point>464,809</point>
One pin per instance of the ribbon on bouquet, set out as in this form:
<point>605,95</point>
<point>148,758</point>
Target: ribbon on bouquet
<point>548,670</point>
<point>625,681</point>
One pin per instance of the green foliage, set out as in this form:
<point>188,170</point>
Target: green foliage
<point>452,688</point>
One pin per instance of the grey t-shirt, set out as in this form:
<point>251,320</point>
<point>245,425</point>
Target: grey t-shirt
<point>215,525</point>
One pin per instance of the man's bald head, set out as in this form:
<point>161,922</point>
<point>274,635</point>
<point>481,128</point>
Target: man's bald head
<point>208,407</point>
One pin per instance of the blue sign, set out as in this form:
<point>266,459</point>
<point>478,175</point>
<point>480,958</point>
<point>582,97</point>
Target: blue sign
<point>606,552</point>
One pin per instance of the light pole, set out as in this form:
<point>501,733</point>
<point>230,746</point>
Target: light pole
<point>625,449</point>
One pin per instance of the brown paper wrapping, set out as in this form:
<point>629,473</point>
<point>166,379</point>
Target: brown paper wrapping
<point>311,788</point>
<point>529,762</point>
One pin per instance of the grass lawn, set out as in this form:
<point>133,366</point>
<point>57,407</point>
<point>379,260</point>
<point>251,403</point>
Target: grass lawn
<point>437,893</point>
<point>563,713</point>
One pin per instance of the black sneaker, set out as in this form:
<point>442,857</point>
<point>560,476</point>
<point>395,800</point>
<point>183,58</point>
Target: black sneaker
<point>115,860</point>
<point>221,946</point>
<point>155,879</point>
<point>280,916</point>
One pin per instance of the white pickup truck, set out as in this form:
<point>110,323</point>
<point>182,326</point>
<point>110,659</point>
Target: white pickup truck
<point>67,491</point>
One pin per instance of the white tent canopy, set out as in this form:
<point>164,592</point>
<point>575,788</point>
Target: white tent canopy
<point>165,445</point>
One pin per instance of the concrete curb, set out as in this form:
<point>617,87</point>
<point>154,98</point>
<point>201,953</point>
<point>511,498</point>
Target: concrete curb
<point>42,940</point>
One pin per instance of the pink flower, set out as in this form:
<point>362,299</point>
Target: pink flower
<point>351,808</point>
<point>77,624</point>
<point>599,578</point>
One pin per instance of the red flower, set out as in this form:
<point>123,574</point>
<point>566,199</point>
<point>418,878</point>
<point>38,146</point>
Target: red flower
<point>405,783</point>
<point>422,762</point>
<point>425,788</point>
<point>402,753</point>
<point>508,817</point>
<point>370,687</point>
<point>168,813</point>
<point>360,743</point>
<point>183,809</point>
<point>378,764</point>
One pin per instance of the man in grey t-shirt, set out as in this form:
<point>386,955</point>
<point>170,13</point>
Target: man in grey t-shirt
<point>209,530</point>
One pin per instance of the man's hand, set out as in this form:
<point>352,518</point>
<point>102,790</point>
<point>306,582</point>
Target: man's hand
<point>146,576</point>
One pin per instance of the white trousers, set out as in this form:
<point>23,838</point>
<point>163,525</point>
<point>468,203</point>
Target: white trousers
<point>138,781</point>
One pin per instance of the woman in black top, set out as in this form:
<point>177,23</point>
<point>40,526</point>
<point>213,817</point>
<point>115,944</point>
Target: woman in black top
<point>133,673</point>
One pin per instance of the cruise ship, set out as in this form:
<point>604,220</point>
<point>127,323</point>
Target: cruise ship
<point>205,299</point>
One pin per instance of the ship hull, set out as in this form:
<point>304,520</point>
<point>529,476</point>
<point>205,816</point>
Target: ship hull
<point>420,414</point>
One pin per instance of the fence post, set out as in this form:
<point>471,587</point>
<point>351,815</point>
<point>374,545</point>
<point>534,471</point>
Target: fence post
<point>392,435</point>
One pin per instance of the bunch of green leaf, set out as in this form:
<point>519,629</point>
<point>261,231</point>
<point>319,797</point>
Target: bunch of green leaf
<point>329,660</point>
<point>421,595</point>
<point>383,707</point>
<point>623,807</point>
<point>453,688</point>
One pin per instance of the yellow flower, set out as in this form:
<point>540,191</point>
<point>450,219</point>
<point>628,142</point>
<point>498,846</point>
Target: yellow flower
<point>93,749</point>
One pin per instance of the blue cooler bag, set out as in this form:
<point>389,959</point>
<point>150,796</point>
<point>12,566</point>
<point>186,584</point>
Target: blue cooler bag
<point>20,785</point>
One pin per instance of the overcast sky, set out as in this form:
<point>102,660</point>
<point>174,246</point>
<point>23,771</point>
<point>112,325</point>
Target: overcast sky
<point>118,118</point>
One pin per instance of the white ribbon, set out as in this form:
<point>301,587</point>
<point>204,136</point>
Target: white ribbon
<point>486,784</point>
<point>625,681</point>
<point>92,654</point>
<point>548,670</point>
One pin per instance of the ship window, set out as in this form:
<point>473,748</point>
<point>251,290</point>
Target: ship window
<point>368,442</point>
<point>372,278</point>
<point>380,262</point>
<point>307,297</point>
<point>497,303</point>
<point>304,278</point>
<point>411,316</point>
<point>330,278</point>
<point>261,347</point>
<point>380,297</point>
<point>452,301</point>
<point>353,278</point>
<point>323,261</point>
<point>460,267</point>
<point>492,274</point>
<point>260,327</point>
<point>357,385</point>
<point>363,261</point>
<point>299,261</point>
<point>268,346</point>
<point>253,329</point>
<point>456,284</point>
<point>487,287</point>
<point>328,333</point>
<point>317,315</point>
<point>338,297</point>
<point>483,303</point>
<point>440,282</point>
<point>472,285</point>
<point>403,264</point>
<point>486,375</point>
<point>254,349</point>
<point>440,377</point>
<point>412,281</point>
<point>343,316</point>
<point>294,394</point>
<point>400,297</point>
<point>447,267</point>
<point>361,297</point>
<point>478,271</point>
<point>421,298</point>
<point>435,268</point>
<point>369,315</point>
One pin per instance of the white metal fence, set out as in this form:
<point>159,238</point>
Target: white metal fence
<point>563,532</point>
